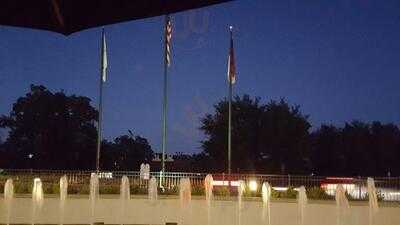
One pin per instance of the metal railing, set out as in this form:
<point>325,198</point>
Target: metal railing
<point>388,187</point>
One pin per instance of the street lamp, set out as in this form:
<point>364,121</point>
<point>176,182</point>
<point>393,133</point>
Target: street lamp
<point>253,185</point>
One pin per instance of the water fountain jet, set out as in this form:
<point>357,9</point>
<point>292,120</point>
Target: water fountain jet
<point>8,198</point>
<point>152,190</point>
<point>185,192</point>
<point>208,187</point>
<point>63,196</point>
<point>94,195</point>
<point>302,204</point>
<point>372,200</point>
<point>342,205</point>
<point>266,191</point>
<point>124,196</point>
<point>37,198</point>
<point>185,197</point>
<point>241,189</point>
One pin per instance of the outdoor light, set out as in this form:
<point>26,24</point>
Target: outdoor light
<point>253,185</point>
<point>106,175</point>
<point>233,183</point>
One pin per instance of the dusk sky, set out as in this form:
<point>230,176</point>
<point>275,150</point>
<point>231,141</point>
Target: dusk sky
<point>339,60</point>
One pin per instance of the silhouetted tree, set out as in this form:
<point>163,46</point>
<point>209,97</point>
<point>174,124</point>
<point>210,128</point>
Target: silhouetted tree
<point>327,155</point>
<point>284,139</point>
<point>3,157</point>
<point>269,138</point>
<point>357,149</point>
<point>197,162</point>
<point>202,163</point>
<point>55,131</point>
<point>126,153</point>
<point>51,130</point>
<point>110,157</point>
<point>386,148</point>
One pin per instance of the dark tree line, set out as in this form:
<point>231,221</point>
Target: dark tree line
<point>357,148</point>
<point>57,131</point>
<point>267,138</point>
<point>127,152</point>
<point>276,138</point>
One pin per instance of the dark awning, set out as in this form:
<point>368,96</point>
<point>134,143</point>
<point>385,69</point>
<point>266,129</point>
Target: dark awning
<point>69,16</point>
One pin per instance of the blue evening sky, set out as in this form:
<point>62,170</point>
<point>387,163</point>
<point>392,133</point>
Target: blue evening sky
<point>339,60</point>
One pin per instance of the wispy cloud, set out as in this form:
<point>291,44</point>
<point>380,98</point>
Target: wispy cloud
<point>187,128</point>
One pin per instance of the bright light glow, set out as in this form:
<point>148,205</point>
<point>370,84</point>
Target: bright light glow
<point>107,175</point>
<point>253,185</point>
<point>351,189</point>
<point>280,188</point>
<point>219,183</point>
<point>339,178</point>
<point>225,183</point>
<point>235,183</point>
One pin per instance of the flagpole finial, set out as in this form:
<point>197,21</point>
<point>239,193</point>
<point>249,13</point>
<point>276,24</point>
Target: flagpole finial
<point>103,32</point>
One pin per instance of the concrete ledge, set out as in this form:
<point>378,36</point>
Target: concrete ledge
<point>215,198</point>
<point>139,210</point>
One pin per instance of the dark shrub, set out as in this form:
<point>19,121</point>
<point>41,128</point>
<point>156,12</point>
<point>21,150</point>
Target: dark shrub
<point>138,190</point>
<point>222,191</point>
<point>109,189</point>
<point>318,193</point>
<point>198,190</point>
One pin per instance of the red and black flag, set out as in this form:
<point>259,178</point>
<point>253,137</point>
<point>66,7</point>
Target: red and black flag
<point>231,62</point>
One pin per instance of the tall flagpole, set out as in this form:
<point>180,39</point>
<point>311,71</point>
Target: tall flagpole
<point>230,125</point>
<point>165,99</point>
<point>164,122</point>
<point>102,80</point>
<point>100,122</point>
<point>231,81</point>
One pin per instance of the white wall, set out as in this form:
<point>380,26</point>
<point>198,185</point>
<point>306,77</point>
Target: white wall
<point>223,212</point>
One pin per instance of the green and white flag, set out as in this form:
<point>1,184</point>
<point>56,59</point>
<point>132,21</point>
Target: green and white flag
<point>103,58</point>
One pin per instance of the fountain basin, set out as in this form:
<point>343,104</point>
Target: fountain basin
<point>139,210</point>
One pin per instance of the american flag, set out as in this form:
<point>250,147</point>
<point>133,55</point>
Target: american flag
<point>231,62</point>
<point>168,37</point>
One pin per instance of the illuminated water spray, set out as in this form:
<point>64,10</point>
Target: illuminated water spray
<point>372,200</point>
<point>8,198</point>
<point>37,198</point>
<point>94,195</point>
<point>152,190</point>
<point>266,191</point>
<point>241,189</point>
<point>63,196</point>
<point>124,196</point>
<point>208,186</point>
<point>302,204</point>
<point>342,205</point>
